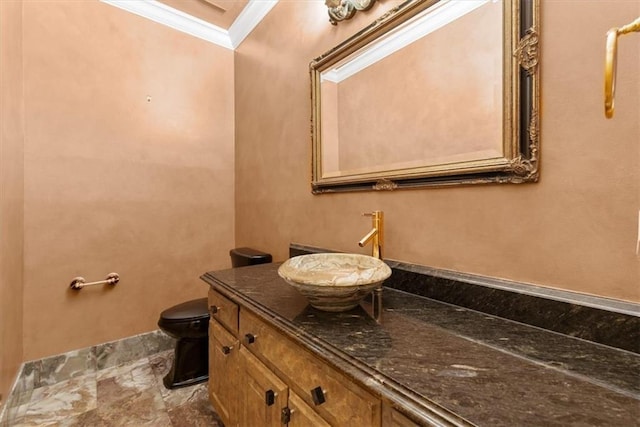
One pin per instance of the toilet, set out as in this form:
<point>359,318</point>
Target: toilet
<point>241,257</point>
<point>188,323</point>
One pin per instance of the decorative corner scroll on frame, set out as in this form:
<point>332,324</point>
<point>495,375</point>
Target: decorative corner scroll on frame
<point>527,51</point>
<point>385,185</point>
<point>526,169</point>
<point>339,10</point>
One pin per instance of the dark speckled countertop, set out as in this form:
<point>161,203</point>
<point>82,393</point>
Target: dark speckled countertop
<point>424,355</point>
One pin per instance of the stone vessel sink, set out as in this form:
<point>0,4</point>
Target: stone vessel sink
<point>334,281</point>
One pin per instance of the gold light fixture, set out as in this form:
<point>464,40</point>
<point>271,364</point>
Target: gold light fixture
<point>339,10</point>
<point>611,60</point>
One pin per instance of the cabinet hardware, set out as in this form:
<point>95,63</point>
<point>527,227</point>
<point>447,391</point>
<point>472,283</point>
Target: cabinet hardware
<point>318,395</point>
<point>270,397</point>
<point>250,338</point>
<point>285,415</point>
<point>226,349</point>
<point>214,309</point>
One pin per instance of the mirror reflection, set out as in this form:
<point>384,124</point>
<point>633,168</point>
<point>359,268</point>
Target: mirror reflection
<point>425,93</point>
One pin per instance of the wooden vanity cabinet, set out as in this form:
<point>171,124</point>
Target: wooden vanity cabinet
<point>391,417</point>
<point>260,377</point>
<point>333,396</point>
<point>301,414</point>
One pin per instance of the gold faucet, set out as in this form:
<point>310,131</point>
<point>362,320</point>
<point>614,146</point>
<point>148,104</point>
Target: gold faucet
<point>376,235</point>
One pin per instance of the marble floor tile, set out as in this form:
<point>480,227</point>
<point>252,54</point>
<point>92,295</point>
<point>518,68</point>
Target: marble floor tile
<point>196,411</point>
<point>160,364</point>
<point>55,369</point>
<point>124,382</point>
<point>143,408</point>
<point>117,394</point>
<point>157,342</point>
<point>53,403</point>
<point>119,352</point>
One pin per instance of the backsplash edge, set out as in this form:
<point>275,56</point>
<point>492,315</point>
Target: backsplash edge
<point>605,321</point>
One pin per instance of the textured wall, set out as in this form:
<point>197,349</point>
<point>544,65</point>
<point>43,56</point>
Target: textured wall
<point>574,230</point>
<point>11,192</point>
<point>128,168</point>
<point>435,111</point>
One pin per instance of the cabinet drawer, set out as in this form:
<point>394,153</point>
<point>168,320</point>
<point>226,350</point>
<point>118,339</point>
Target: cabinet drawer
<point>223,310</point>
<point>337,399</point>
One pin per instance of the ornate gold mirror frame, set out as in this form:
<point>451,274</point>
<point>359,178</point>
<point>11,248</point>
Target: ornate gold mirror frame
<point>518,148</point>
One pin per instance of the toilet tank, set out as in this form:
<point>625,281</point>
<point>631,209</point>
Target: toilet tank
<point>241,257</point>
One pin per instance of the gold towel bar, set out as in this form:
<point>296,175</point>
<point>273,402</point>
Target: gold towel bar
<point>611,59</point>
<point>79,282</point>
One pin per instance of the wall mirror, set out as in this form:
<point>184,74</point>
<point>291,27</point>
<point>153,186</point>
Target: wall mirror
<point>433,93</point>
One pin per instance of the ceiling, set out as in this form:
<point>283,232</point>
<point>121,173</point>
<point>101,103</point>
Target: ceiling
<point>221,13</point>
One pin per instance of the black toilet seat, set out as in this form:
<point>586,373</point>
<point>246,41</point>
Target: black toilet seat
<point>186,312</point>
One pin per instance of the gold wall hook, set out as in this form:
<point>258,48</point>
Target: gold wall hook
<point>610,64</point>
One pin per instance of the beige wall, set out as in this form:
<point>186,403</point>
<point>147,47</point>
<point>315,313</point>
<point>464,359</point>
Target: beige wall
<point>128,152</point>
<point>11,192</point>
<point>443,107</point>
<point>574,230</point>
<point>128,168</point>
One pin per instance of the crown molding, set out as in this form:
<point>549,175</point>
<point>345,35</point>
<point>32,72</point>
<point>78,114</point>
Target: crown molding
<point>441,14</point>
<point>248,19</point>
<point>158,12</point>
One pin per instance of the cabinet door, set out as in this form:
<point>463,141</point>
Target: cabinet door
<point>265,395</point>
<point>343,403</point>
<point>393,418</point>
<point>223,373</point>
<point>301,414</point>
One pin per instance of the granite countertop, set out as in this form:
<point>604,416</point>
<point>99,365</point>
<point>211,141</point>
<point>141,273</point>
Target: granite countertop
<point>424,355</point>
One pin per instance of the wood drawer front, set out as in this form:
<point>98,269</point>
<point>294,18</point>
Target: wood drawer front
<point>223,310</point>
<point>345,402</point>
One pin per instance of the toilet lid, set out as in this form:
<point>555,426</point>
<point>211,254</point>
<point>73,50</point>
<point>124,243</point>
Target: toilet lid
<point>191,310</point>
